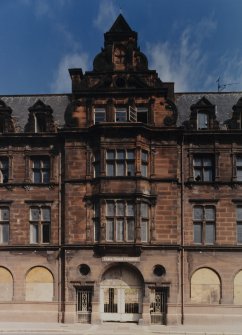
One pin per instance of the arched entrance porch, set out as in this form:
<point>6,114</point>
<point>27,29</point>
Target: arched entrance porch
<point>121,294</point>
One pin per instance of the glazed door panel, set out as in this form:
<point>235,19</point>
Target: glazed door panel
<point>121,303</point>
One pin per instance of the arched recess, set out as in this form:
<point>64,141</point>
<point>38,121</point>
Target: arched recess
<point>238,288</point>
<point>205,287</point>
<point>6,285</point>
<point>39,285</point>
<point>121,294</point>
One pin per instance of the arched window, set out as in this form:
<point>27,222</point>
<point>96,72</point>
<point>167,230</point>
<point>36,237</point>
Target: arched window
<point>205,287</point>
<point>6,285</point>
<point>39,285</point>
<point>238,288</point>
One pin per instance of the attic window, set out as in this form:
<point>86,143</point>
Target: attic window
<point>40,123</point>
<point>142,114</point>
<point>202,120</point>
<point>99,115</point>
<point>121,114</point>
<point>139,114</point>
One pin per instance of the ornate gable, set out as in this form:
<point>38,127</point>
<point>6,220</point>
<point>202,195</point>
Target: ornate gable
<point>40,118</point>
<point>120,66</point>
<point>6,121</point>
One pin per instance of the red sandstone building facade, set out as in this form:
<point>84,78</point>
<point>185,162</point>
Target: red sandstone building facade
<point>123,200</point>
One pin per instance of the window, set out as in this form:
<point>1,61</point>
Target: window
<point>39,224</point>
<point>202,120</point>
<point>99,115</point>
<point>144,222</point>
<point>239,224</point>
<point>4,170</point>
<point>139,114</point>
<point>4,225</point>
<point>142,114</point>
<point>120,162</point>
<point>120,218</point>
<point>239,168</point>
<point>144,163</point>
<point>204,224</point>
<point>39,123</point>
<point>2,124</point>
<point>119,221</point>
<point>203,168</point>
<point>96,164</point>
<point>121,114</point>
<point>41,170</point>
<point>96,221</point>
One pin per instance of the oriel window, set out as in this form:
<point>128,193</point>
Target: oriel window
<point>119,221</point>
<point>120,162</point>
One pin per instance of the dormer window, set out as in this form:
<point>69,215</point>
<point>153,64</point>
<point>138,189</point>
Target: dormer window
<point>203,116</point>
<point>40,118</point>
<point>6,121</point>
<point>236,121</point>
<point>40,123</point>
<point>202,120</point>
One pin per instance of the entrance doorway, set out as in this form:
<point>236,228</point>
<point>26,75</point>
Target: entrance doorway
<point>158,306</point>
<point>84,304</point>
<point>121,293</point>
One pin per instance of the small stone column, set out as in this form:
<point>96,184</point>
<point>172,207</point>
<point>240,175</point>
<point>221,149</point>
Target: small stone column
<point>96,319</point>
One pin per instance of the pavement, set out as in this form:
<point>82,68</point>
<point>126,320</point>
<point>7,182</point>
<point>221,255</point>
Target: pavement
<point>117,329</point>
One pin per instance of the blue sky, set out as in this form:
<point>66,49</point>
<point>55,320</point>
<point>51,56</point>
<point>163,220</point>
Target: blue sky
<point>190,42</point>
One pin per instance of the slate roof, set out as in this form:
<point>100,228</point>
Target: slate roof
<point>224,102</point>
<point>20,104</point>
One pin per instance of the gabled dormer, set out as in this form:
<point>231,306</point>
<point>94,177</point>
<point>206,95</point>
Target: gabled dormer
<point>236,121</point>
<point>6,121</point>
<point>40,118</point>
<point>203,116</point>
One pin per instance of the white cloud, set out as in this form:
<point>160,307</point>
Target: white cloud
<point>42,8</point>
<point>185,61</point>
<point>47,8</point>
<point>62,81</point>
<point>107,13</point>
